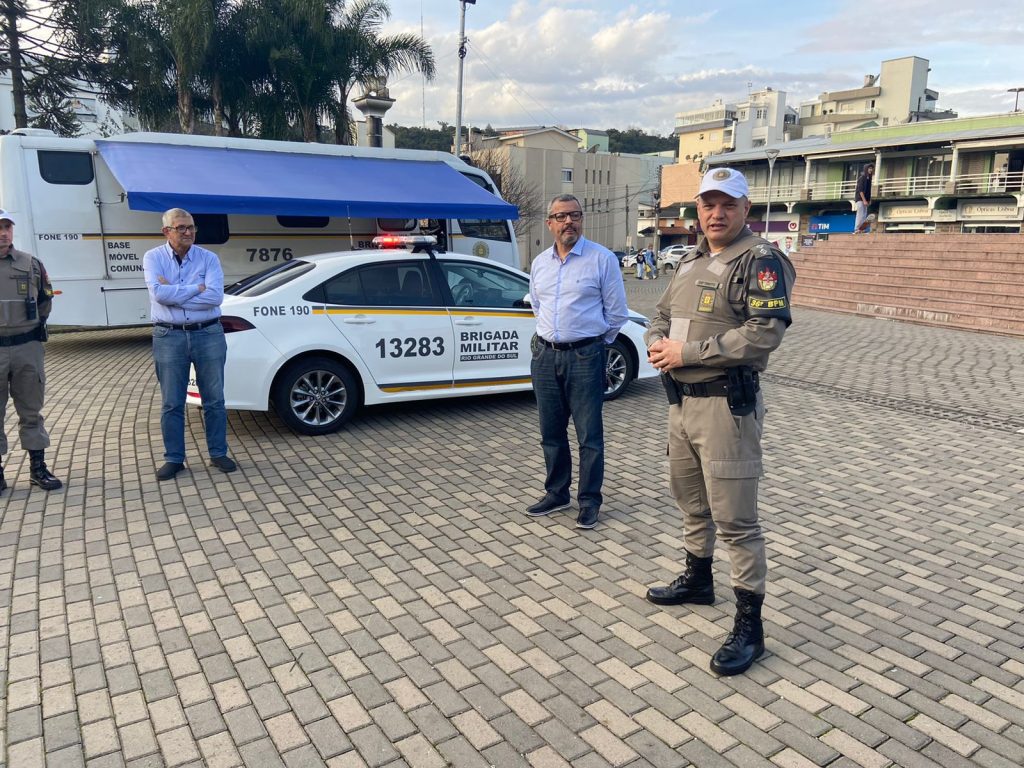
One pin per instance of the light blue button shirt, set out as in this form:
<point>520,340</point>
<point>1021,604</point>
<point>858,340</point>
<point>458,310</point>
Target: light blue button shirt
<point>580,298</point>
<point>179,301</point>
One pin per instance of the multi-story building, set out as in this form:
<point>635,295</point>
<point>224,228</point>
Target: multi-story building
<point>610,185</point>
<point>899,94</point>
<point>958,175</point>
<point>705,131</point>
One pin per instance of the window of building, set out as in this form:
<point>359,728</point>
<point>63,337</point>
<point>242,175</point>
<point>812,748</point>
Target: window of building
<point>567,175</point>
<point>586,175</point>
<point>65,167</point>
<point>701,137</point>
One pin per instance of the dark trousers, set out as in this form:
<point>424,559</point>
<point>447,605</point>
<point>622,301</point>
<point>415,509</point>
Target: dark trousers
<point>571,383</point>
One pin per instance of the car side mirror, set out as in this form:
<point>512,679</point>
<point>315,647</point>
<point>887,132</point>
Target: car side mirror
<point>523,303</point>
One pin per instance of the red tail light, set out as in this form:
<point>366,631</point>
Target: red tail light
<point>232,324</point>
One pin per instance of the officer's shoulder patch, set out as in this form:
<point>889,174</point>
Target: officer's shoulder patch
<point>763,250</point>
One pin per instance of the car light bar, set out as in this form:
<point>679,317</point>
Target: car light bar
<point>401,241</point>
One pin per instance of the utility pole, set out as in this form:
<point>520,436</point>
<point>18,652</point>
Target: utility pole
<point>629,235</point>
<point>462,61</point>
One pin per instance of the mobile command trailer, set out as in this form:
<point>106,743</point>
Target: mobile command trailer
<point>90,209</point>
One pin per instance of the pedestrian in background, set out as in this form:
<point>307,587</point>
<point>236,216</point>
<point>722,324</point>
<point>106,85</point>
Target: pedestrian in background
<point>640,262</point>
<point>863,197</point>
<point>26,298</point>
<point>186,288</point>
<point>725,310</point>
<point>578,297</point>
<point>652,262</point>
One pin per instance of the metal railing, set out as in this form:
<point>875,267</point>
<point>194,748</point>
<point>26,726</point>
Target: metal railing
<point>982,183</point>
<point>975,183</point>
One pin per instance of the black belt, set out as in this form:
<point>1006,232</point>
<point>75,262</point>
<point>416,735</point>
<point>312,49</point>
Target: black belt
<point>714,388</point>
<point>188,326</point>
<point>21,338</point>
<point>565,346</point>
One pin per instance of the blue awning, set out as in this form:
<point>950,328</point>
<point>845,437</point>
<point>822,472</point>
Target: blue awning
<point>204,179</point>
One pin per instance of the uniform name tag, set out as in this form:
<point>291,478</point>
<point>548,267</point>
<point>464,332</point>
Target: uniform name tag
<point>708,284</point>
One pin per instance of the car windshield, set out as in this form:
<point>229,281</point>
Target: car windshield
<point>269,279</point>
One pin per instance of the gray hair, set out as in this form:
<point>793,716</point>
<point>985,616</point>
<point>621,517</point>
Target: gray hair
<point>175,213</point>
<point>564,198</point>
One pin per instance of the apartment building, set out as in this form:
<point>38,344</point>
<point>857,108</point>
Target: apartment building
<point>898,94</point>
<point>610,185</point>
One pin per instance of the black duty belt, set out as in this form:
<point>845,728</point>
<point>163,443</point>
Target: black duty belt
<point>188,326</point>
<point>21,338</point>
<point>713,388</point>
<point>565,346</point>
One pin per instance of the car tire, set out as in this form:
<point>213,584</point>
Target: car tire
<point>315,395</point>
<point>620,369</point>
<point>669,267</point>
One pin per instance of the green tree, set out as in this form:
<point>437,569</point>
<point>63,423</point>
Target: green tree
<point>437,139</point>
<point>361,55</point>
<point>636,141</point>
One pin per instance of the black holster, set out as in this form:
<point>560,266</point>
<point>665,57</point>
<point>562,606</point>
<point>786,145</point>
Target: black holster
<point>671,389</point>
<point>741,388</point>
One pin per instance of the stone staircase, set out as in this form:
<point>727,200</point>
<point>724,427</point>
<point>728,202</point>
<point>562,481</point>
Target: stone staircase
<point>966,281</point>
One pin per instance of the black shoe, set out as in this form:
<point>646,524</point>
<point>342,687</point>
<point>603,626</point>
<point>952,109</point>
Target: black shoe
<point>696,585</point>
<point>3,483</point>
<point>39,474</point>
<point>745,643</point>
<point>587,518</point>
<point>223,463</point>
<point>547,505</point>
<point>169,470</point>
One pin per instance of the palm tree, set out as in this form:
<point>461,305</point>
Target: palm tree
<point>361,56</point>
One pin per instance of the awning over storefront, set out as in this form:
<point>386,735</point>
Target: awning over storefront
<point>203,179</point>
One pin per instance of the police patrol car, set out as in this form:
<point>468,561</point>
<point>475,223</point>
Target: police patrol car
<point>316,337</point>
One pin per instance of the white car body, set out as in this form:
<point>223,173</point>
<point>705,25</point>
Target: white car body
<point>668,258</point>
<point>439,342</point>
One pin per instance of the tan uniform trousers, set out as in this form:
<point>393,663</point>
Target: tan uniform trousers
<point>714,466</point>
<point>22,378</point>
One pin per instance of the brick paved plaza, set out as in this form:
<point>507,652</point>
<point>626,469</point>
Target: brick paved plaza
<point>377,598</point>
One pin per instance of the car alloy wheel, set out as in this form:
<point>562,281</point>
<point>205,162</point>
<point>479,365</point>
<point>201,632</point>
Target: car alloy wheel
<point>315,396</point>
<point>618,372</point>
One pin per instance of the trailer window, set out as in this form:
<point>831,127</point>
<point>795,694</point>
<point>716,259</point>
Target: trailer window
<point>304,222</point>
<point>65,167</point>
<point>211,228</point>
<point>396,225</point>
<point>486,229</point>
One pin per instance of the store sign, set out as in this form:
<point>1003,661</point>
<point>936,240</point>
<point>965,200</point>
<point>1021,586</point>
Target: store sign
<point>989,210</point>
<point>896,212</point>
<point>832,223</point>
<point>944,215</point>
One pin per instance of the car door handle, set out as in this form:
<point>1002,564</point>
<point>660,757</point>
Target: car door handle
<point>469,321</point>
<point>359,320</point>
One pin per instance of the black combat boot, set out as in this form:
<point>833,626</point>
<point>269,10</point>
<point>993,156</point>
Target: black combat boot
<point>3,483</point>
<point>746,641</point>
<point>39,474</point>
<point>695,585</point>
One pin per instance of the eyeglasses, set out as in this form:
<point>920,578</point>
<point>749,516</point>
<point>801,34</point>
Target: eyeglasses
<point>560,217</point>
<point>181,229</point>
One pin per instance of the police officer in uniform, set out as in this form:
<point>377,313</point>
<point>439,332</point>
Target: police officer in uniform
<point>724,312</point>
<point>25,300</point>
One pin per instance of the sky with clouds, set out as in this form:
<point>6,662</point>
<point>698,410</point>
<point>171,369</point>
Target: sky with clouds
<point>614,64</point>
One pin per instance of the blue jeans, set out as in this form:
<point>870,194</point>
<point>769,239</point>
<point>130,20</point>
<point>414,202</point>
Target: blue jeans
<point>565,383</point>
<point>173,352</point>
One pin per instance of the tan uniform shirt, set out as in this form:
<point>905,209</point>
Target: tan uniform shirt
<point>22,277</point>
<point>729,309</point>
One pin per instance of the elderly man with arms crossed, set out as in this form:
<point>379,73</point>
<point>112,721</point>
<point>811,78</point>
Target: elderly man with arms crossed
<point>186,288</point>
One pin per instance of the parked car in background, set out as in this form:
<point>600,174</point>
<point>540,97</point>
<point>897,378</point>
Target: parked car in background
<point>668,258</point>
<point>626,258</point>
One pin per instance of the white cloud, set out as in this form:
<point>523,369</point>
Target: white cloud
<point>600,64</point>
